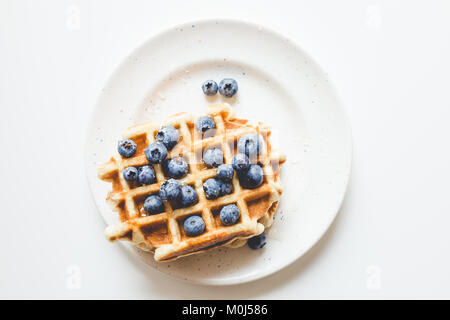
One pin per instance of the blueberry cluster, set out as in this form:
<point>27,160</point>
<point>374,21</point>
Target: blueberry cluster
<point>250,175</point>
<point>166,138</point>
<point>143,175</point>
<point>171,190</point>
<point>219,186</point>
<point>184,195</point>
<point>215,188</point>
<point>227,87</point>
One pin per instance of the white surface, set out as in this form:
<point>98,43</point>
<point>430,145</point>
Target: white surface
<point>308,125</point>
<point>389,62</point>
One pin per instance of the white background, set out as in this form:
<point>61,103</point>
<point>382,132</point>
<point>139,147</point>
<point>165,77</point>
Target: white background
<point>389,60</point>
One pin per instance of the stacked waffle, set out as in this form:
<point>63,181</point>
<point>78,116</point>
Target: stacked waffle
<point>164,233</point>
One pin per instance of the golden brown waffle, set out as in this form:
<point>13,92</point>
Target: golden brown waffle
<point>164,233</point>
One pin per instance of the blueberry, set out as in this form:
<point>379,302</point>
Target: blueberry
<point>228,87</point>
<point>253,178</point>
<point>156,152</point>
<point>146,175</point>
<point>257,242</point>
<point>130,174</point>
<point>127,148</point>
<point>212,189</point>
<point>229,214</point>
<point>170,190</point>
<point>194,226</point>
<point>225,187</point>
<point>168,136</point>
<point>177,167</point>
<point>250,144</point>
<point>240,162</point>
<point>153,204</point>
<point>209,87</point>
<point>225,172</point>
<point>189,196</point>
<point>206,126</point>
<point>213,157</point>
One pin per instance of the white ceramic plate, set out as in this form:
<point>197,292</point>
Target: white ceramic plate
<point>278,84</point>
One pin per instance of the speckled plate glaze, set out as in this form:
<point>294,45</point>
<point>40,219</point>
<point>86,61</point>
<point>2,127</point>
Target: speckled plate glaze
<point>280,85</point>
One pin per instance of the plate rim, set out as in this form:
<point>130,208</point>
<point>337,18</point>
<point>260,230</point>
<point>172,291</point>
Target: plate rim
<point>340,106</point>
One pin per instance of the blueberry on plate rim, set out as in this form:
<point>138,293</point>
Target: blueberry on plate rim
<point>156,152</point>
<point>210,87</point>
<point>228,87</point>
<point>127,148</point>
<point>130,174</point>
<point>194,226</point>
<point>153,204</point>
